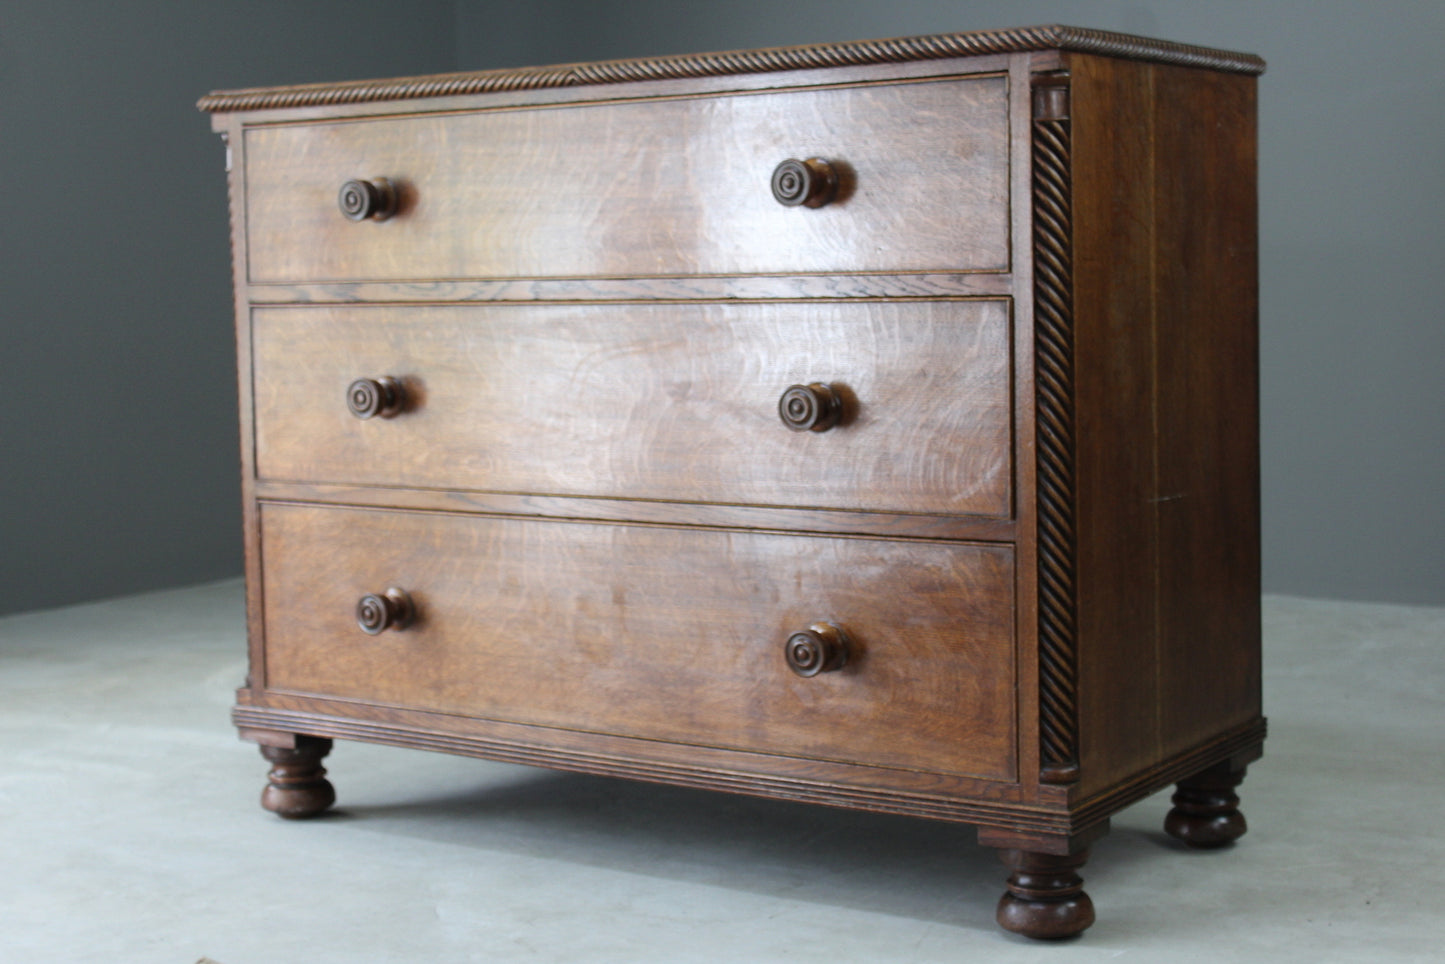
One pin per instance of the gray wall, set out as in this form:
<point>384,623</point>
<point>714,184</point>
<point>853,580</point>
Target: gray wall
<point>118,429</point>
<point>118,433</point>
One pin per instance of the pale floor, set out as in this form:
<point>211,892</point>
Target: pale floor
<point>130,831</point>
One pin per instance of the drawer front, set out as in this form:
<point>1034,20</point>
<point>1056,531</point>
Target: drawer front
<point>652,632</point>
<point>642,188</point>
<point>658,401</point>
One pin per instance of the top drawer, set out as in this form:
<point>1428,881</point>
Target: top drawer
<point>657,187</point>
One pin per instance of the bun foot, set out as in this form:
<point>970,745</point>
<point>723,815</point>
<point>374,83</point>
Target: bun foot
<point>298,787</point>
<point>1206,809</point>
<point>1045,899</point>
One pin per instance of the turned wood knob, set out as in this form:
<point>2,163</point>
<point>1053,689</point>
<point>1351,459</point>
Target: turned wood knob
<point>392,609</point>
<point>810,408</point>
<point>370,397</point>
<point>821,648</point>
<point>374,199</point>
<point>812,183</point>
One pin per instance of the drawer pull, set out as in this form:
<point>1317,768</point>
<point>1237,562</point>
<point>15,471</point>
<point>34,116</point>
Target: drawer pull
<point>371,397</point>
<point>821,648</point>
<point>812,183</point>
<point>361,200</point>
<point>390,610</point>
<point>810,408</point>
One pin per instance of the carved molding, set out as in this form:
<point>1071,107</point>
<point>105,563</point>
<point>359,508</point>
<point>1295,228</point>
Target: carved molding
<point>1054,378</point>
<point>965,808</point>
<point>856,53</point>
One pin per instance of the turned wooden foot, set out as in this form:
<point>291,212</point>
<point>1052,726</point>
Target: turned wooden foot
<point>1045,899</point>
<point>298,787</point>
<point>1206,809</point>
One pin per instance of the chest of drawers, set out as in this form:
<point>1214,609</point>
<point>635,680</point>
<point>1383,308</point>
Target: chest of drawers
<point>871,425</point>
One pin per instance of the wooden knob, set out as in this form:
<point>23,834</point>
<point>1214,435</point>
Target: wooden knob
<point>821,648</point>
<point>810,408</point>
<point>392,609</point>
<point>812,183</point>
<point>374,199</point>
<point>370,397</point>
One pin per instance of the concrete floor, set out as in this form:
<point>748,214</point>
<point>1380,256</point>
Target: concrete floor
<point>130,831</point>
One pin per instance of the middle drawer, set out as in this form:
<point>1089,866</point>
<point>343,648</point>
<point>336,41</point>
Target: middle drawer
<point>679,402</point>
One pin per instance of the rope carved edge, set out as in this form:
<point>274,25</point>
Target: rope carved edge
<point>855,53</point>
<point>1054,378</point>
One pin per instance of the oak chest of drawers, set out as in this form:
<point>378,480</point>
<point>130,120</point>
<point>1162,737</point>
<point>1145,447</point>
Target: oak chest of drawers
<point>868,424</point>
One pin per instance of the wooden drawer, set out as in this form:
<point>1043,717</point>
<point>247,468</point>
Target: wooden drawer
<point>653,632</point>
<point>655,401</point>
<point>643,187</point>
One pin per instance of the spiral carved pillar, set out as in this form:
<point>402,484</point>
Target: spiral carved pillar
<point>1054,376</point>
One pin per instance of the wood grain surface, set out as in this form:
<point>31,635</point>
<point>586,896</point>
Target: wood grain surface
<point>649,187</point>
<point>1207,352</point>
<point>1167,407</point>
<point>648,401</point>
<point>897,52</point>
<point>654,632</point>
<point>592,302</point>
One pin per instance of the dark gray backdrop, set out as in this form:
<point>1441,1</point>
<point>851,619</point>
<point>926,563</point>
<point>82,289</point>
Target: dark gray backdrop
<point>117,418</point>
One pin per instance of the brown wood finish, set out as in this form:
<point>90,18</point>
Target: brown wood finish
<point>1165,283</point>
<point>1117,541</point>
<point>250,511</point>
<point>297,787</point>
<point>1206,809</point>
<point>651,632</point>
<point>1008,815</point>
<point>896,525</point>
<point>718,288</point>
<point>1054,482</point>
<point>670,401</point>
<point>657,187</point>
<point>898,52</point>
<point>1026,432</point>
<point>308,111</point>
<point>1045,897</point>
<point>1207,492</point>
<point>934,493</point>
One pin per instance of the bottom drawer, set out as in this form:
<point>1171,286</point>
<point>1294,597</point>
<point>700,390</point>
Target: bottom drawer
<point>653,632</point>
